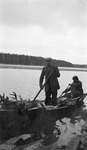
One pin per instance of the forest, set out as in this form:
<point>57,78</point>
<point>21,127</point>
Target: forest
<point>15,59</point>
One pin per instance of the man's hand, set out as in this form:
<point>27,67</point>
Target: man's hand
<point>41,86</point>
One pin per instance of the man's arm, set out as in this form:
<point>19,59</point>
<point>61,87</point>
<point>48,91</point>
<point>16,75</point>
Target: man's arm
<point>41,77</point>
<point>58,73</point>
<point>67,89</point>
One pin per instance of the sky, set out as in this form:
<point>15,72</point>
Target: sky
<point>47,28</point>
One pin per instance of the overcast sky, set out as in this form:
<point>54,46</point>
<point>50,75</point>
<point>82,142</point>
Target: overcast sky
<point>47,28</point>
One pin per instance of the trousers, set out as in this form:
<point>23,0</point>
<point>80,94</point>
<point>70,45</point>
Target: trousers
<point>51,97</point>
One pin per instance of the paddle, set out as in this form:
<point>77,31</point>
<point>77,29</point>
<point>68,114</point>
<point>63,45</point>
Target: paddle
<point>42,86</point>
<point>65,91</point>
<point>61,95</point>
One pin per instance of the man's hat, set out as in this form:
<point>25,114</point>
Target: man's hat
<point>48,59</point>
<point>75,78</point>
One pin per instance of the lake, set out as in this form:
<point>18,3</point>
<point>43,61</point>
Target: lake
<point>25,80</point>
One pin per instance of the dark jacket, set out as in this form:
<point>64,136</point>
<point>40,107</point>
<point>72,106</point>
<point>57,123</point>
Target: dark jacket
<point>75,88</point>
<point>50,73</point>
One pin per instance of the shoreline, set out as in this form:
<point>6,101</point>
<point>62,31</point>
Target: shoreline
<point>10,66</point>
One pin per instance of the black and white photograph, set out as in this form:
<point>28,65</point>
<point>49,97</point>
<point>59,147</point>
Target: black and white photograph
<point>43,74</point>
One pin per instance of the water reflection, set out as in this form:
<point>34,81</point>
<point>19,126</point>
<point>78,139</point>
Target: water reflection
<point>73,125</point>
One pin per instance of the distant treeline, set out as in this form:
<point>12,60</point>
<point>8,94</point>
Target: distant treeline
<point>29,60</point>
<point>15,59</point>
<point>79,66</point>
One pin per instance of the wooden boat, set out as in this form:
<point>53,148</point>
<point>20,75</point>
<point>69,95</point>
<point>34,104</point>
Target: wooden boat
<point>17,118</point>
<point>62,103</point>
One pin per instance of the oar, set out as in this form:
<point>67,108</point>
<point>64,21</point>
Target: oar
<point>64,92</point>
<point>42,86</point>
<point>61,95</point>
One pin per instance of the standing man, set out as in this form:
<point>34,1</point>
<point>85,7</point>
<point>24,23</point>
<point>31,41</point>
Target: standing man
<point>50,72</point>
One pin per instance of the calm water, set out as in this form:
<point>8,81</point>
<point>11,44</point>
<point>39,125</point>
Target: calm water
<point>25,82</point>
